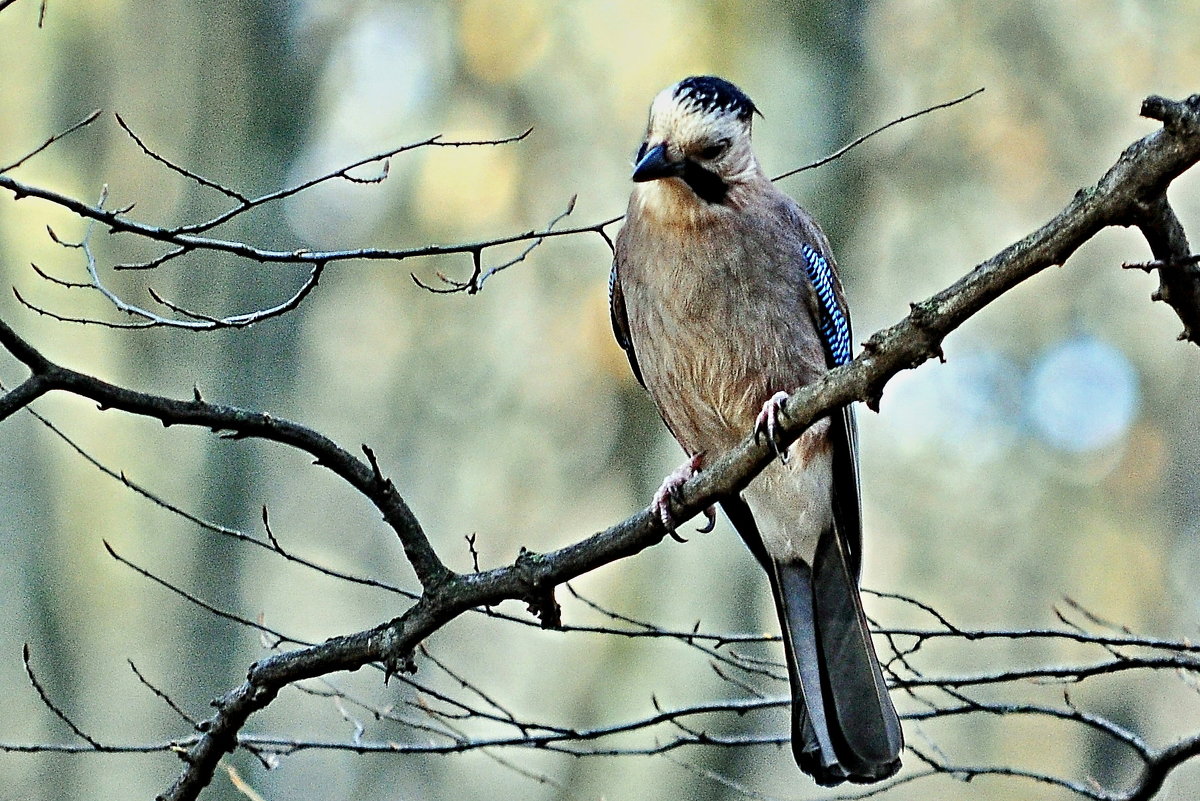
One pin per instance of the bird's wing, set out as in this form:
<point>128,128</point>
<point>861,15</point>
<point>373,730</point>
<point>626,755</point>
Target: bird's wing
<point>833,317</point>
<point>620,321</point>
<point>833,325</point>
<point>846,497</point>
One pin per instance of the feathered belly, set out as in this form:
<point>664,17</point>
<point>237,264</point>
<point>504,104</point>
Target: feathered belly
<point>716,337</point>
<point>708,401</point>
<point>709,378</point>
<point>710,398</point>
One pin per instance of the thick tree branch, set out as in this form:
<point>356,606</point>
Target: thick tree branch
<point>1131,192</point>
<point>1178,270</point>
<point>1136,182</point>
<point>1140,175</point>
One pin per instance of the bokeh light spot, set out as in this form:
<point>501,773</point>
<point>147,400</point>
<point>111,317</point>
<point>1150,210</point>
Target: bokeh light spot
<point>1083,395</point>
<point>963,409</point>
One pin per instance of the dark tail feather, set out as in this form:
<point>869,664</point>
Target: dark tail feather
<point>844,726</point>
<point>811,743</point>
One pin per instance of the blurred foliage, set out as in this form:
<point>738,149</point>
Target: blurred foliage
<point>512,414</point>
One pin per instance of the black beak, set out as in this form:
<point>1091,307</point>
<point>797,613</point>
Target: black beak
<point>655,165</point>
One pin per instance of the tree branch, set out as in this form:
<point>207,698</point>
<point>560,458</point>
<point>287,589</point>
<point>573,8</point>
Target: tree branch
<point>1160,765</point>
<point>48,376</point>
<point>1132,192</point>
<point>83,123</point>
<point>118,221</point>
<point>1138,178</point>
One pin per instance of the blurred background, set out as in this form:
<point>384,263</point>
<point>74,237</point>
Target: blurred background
<point>1056,454</point>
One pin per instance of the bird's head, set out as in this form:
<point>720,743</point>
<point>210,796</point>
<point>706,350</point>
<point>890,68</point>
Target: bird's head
<point>699,133</point>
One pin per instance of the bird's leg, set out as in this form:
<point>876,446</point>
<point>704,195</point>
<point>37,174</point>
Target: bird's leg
<point>767,423</point>
<point>670,489</point>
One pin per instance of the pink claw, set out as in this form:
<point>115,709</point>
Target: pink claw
<point>670,490</point>
<point>767,423</point>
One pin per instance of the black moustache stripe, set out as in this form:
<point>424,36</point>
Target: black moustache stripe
<point>707,185</point>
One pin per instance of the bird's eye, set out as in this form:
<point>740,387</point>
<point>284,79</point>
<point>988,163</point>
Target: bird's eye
<point>716,149</point>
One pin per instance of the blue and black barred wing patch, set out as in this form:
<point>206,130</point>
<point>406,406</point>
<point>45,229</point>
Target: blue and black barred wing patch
<point>832,325</point>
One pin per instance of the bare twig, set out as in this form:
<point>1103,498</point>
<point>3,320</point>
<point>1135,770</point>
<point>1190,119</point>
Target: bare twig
<point>166,699</point>
<point>966,773</point>
<point>280,637</point>
<point>474,689</point>
<point>926,608</point>
<point>343,173</point>
<point>57,281</point>
<point>841,151</point>
<point>186,173</point>
<point>64,318</point>
<point>479,275</point>
<point>196,321</point>
<point>53,707</point>
<point>50,377</point>
<point>86,121</point>
<point>272,545</point>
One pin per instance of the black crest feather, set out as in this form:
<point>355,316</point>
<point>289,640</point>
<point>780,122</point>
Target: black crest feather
<point>710,93</point>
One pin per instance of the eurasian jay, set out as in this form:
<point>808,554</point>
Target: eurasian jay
<point>725,297</point>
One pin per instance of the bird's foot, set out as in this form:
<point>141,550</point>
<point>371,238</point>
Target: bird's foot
<point>767,423</point>
<point>670,491</point>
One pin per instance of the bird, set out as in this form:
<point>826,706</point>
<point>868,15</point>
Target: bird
<point>725,297</point>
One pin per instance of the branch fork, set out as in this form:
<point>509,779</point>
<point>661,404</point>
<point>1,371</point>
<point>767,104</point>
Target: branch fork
<point>1132,192</point>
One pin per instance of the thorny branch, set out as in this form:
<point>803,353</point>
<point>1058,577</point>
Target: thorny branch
<point>1131,193</point>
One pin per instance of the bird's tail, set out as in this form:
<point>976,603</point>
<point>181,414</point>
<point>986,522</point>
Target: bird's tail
<point>844,726</point>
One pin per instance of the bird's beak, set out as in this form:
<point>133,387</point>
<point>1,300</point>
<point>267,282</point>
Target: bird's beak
<point>655,164</point>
